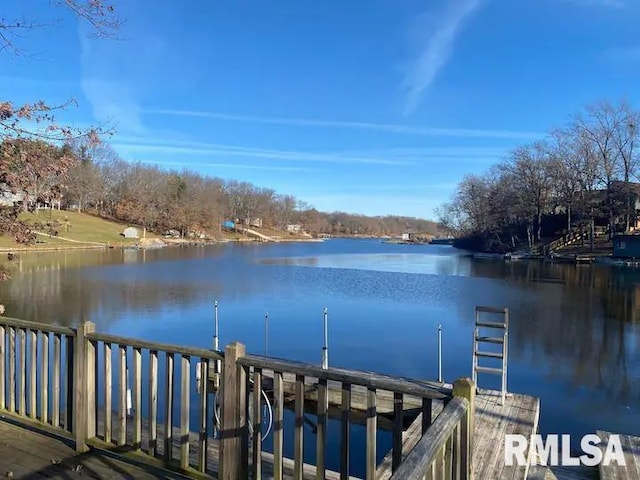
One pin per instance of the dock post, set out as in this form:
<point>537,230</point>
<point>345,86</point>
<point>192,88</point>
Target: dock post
<point>466,388</point>
<point>234,453</point>
<point>216,343</point>
<point>325,347</point>
<point>216,338</point>
<point>84,383</point>
<point>440,352</point>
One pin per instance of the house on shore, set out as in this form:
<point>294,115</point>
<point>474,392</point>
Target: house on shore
<point>626,246</point>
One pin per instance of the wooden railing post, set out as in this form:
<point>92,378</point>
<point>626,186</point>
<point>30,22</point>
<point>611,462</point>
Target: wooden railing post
<point>465,388</point>
<point>84,386</point>
<point>233,443</point>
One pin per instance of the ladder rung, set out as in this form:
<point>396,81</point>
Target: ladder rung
<point>491,324</point>
<point>490,339</point>
<point>497,371</point>
<point>489,355</point>
<point>492,310</point>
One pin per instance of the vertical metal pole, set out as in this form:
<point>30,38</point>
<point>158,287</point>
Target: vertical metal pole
<point>216,345</point>
<point>325,348</point>
<point>266,333</point>
<point>440,353</point>
<point>216,339</point>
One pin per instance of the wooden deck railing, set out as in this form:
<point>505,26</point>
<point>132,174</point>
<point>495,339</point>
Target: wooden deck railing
<point>37,378</point>
<point>444,451</point>
<point>323,382</point>
<point>76,372</point>
<point>130,434</point>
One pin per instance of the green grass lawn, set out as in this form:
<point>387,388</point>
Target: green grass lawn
<point>82,228</point>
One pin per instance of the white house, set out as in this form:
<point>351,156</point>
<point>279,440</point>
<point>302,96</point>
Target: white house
<point>130,232</point>
<point>8,198</point>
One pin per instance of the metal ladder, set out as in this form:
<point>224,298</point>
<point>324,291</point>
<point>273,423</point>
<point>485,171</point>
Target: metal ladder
<point>500,339</point>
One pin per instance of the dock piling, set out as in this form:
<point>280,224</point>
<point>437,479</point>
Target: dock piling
<point>216,337</point>
<point>325,347</point>
<point>440,352</point>
<point>216,340</point>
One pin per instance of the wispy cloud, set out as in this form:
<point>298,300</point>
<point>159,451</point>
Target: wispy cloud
<point>435,52</point>
<point>598,3</point>
<point>231,166</point>
<point>133,147</point>
<point>384,127</point>
<point>184,152</point>
<point>111,97</point>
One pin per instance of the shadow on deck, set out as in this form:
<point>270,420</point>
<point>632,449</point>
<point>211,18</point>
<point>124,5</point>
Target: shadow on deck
<point>27,453</point>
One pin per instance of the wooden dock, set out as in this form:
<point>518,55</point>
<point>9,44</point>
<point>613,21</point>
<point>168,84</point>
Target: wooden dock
<point>49,402</point>
<point>31,454</point>
<point>493,421</point>
<point>631,469</point>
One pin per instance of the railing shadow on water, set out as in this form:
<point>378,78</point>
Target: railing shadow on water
<point>156,403</point>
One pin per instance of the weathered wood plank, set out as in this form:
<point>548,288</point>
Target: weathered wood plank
<point>257,424</point>
<point>429,448</point>
<point>33,373</point>
<point>372,431</point>
<point>107,392</point>
<point>202,440</point>
<point>398,426</point>
<point>631,450</point>
<point>345,431</point>
<point>55,379</point>
<point>163,347</point>
<point>298,441</point>
<point>12,369</point>
<point>26,324</point>
<point>334,397</point>
<point>136,380</point>
<point>278,427</point>
<point>122,397</point>
<point>153,403</point>
<point>168,411</point>
<point>44,377</point>
<point>234,458</point>
<point>91,362</point>
<point>184,411</point>
<point>364,379</point>
<point>321,435</point>
<point>22,366</point>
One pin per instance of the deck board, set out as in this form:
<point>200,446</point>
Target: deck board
<point>631,469</point>
<point>492,422</point>
<point>541,472</point>
<point>60,448</point>
<point>32,455</point>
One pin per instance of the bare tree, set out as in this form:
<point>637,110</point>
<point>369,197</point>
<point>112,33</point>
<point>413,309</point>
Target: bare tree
<point>625,141</point>
<point>17,120</point>
<point>599,126</point>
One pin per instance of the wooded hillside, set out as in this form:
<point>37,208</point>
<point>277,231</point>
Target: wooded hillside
<point>581,174</point>
<point>89,176</point>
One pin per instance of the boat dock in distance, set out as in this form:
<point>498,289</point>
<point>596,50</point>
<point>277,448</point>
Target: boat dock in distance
<point>76,402</point>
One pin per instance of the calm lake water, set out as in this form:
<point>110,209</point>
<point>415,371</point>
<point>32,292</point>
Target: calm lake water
<point>574,331</point>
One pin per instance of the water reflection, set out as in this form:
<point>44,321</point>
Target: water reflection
<point>574,332</point>
<point>432,264</point>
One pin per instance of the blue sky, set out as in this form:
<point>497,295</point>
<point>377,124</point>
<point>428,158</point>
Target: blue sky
<point>367,106</point>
